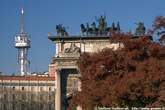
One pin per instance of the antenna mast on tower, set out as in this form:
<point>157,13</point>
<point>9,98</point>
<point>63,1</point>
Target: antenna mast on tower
<point>22,43</point>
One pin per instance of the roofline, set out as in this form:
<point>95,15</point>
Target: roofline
<point>58,38</point>
<point>31,78</point>
<point>100,37</point>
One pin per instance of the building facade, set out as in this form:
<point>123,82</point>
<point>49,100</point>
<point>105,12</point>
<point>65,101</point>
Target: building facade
<point>68,51</point>
<point>27,93</point>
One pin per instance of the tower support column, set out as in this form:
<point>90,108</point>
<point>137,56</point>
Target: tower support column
<point>58,91</point>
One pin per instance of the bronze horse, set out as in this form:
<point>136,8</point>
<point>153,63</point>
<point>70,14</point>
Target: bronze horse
<point>89,30</point>
<point>61,31</point>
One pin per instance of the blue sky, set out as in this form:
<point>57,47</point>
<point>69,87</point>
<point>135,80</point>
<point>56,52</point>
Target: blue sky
<point>42,16</point>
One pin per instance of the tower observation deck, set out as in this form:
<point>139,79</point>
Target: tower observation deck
<point>22,43</point>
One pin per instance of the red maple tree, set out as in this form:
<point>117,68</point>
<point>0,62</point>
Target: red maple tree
<point>133,76</point>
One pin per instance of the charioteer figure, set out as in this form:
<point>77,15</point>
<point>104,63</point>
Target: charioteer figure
<point>102,24</point>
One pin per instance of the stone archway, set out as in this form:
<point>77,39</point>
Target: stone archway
<point>67,78</point>
<point>69,85</point>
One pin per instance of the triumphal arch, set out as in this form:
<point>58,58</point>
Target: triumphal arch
<point>68,50</point>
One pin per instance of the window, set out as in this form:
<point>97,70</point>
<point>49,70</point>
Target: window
<point>13,88</point>
<point>41,88</point>
<point>33,97</point>
<point>50,97</point>
<point>5,107</point>
<point>23,88</point>
<point>41,97</point>
<point>1,87</point>
<point>4,88</point>
<point>50,88</point>
<point>14,107</point>
<point>40,106</point>
<point>32,88</point>
<point>23,96</point>
<point>22,106</point>
<point>5,96</point>
<point>50,106</point>
<point>13,96</point>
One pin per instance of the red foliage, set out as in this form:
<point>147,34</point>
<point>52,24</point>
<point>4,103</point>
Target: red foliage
<point>159,22</point>
<point>158,25</point>
<point>131,76</point>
